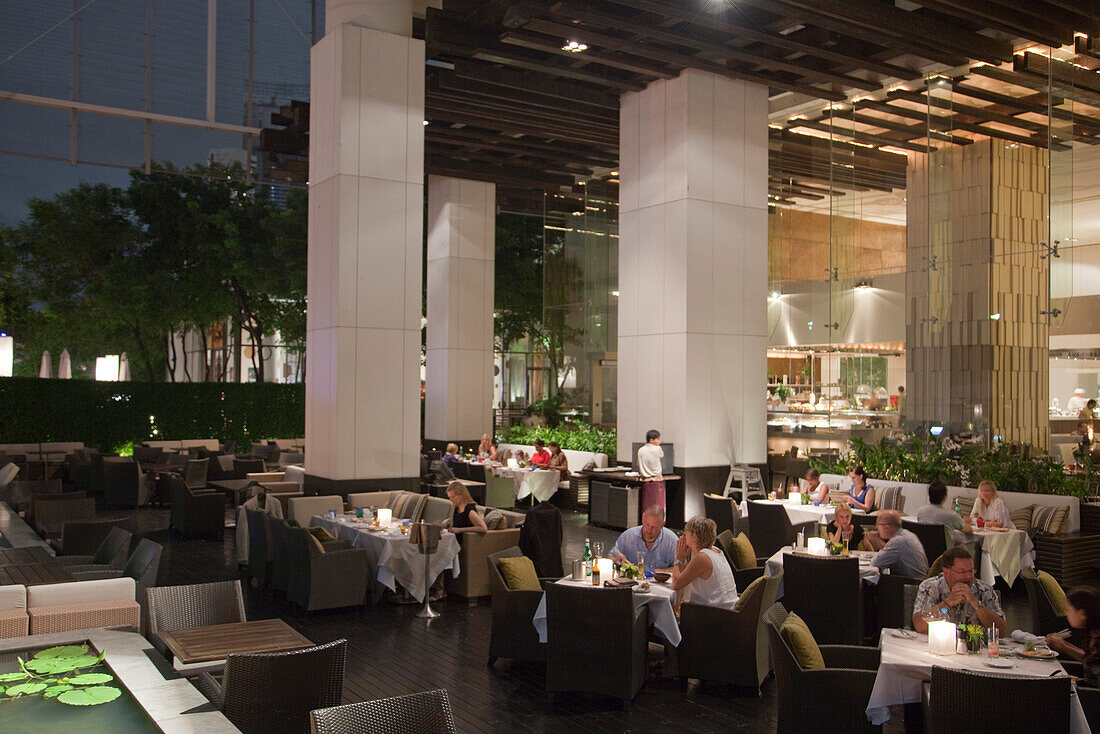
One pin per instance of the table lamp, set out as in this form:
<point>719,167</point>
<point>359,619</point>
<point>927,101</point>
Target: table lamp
<point>607,568</point>
<point>816,546</point>
<point>795,498</point>
<point>385,515</point>
<point>513,463</point>
<point>942,637</point>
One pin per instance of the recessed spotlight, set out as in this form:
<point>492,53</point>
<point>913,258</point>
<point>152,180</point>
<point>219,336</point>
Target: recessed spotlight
<point>425,122</point>
<point>574,47</point>
<point>995,316</point>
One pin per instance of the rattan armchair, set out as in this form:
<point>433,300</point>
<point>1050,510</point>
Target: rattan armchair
<point>770,529</point>
<point>274,693</point>
<point>195,512</point>
<point>82,538</point>
<point>984,703</point>
<point>124,484</point>
<point>933,536</point>
<point>723,510</point>
<point>193,605</point>
<point>512,635</point>
<point>428,712</point>
<point>827,594</point>
<point>243,467</point>
<point>742,576</point>
<point>324,580</point>
<point>596,642</point>
<point>896,596</point>
<point>141,566</point>
<point>52,512</point>
<point>279,553</point>
<point>726,645</point>
<point>195,471</point>
<point>111,553</point>
<point>839,692</point>
<point>259,564</point>
<point>1046,620</point>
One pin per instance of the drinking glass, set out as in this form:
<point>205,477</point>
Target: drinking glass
<point>640,558</point>
<point>846,536</point>
<point>597,549</point>
<point>992,643</point>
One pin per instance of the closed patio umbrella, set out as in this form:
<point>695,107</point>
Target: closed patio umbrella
<point>124,369</point>
<point>65,366</point>
<point>47,365</point>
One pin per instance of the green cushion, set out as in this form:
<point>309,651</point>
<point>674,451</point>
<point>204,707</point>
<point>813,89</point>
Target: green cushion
<point>801,641</point>
<point>1054,592</point>
<point>756,587</point>
<point>936,568</point>
<point>744,555</point>
<point>519,573</point>
<point>321,534</point>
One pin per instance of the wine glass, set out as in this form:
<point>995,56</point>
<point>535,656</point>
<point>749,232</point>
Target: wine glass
<point>597,549</point>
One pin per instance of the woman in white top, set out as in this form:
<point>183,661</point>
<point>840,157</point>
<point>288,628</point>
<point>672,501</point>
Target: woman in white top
<point>707,574</point>
<point>990,508</point>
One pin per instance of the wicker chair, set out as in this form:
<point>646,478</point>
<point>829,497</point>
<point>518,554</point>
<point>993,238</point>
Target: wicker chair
<point>418,713</point>
<point>84,537</point>
<point>840,691</point>
<point>1046,620</point>
<point>51,513</point>
<point>195,512</point>
<point>896,596</point>
<point>770,529</point>
<point>195,471</point>
<point>259,564</point>
<point>962,700</point>
<point>596,642</point>
<point>933,536</point>
<point>21,493</point>
<point>141,566</point>
<point>273,693</point>
<point>111,553</point>
<point>722,510</point>
<point>335,578</point>
<point>826,593</point>
<point>279,553</point>
<point>243,467</point>
<point>512,635</point>
<point>728,646</point>
<point>777,468</point>
<point>742,576</point>
<point>124,484</point>
<point>194,605</point>
<point>1087,695</point>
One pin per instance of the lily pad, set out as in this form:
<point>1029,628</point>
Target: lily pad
<point>55,690</point>
<point>61,651</point>
<point>87,679</point>
<point>90,696</point>
<point>61,665</point>
<point>25,689</point>
<point>12,676</point>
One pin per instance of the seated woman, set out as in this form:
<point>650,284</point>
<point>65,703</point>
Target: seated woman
<point>843,524</point>
<point>495,452</point>
<point>861,495</point>
<point>558,461</point>
<point>702,568</point>
<point>484,446</point>
<point>1083,615</point>
<point>817,489</point>
<point>520,457</point>
<point>450,458</point>
<point>465,518</point>
<point>989,508</point>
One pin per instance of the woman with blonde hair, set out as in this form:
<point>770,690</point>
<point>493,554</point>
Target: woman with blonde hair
<point>701,567</point>
<point>989,508</point>
<point>465,518</point>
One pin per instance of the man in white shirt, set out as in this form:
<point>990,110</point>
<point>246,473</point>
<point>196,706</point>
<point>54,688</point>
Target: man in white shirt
<point>649,468</point>
<point>1078,402</point>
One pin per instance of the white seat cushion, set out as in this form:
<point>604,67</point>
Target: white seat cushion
<point>13,597</point>
<point>77,592</point>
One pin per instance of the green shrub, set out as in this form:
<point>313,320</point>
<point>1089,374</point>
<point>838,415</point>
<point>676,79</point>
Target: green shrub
<point>581,438</point>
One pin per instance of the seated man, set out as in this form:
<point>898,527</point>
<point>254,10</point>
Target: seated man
<point>541,457</point>
<point>957,596</point>
<point>934,513</point>
<point>652,538</point>
<point>899,550</point>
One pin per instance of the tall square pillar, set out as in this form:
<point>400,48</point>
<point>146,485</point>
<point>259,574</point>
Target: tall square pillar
<point>693,273</point>
<point>366,207</point>
<point>461,257</point>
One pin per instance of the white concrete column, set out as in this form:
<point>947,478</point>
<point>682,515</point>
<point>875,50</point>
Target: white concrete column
<point>366,202</point>
<point>693,270</point>
<point>461,258</point>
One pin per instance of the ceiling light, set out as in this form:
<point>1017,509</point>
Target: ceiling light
<point>574,47</point>
<point>864,284</point>
<point>995,316</point>
<point>425,122</point>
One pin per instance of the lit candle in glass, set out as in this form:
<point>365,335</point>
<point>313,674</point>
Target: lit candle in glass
<point>607,568</point>
<point>942,636</point>
<point>512,463</point>
<point>795,498</point>
<point>816,546</point>
<point>385,515</point>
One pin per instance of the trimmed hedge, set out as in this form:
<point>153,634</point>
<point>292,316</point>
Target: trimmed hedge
<point>113,415</point>
<point>579,437</point>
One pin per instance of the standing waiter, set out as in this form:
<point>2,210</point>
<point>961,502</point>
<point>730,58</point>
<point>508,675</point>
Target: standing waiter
<point>649,467</point>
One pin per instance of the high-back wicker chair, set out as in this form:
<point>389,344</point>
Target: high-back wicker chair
<point>992,704</point>
<point>84,537</point>
<point>428,712</point>
<point>194,473</point>
<point>933,536</point>
<point>723,510</point>
<point>278,552</point>
<point>826,593</point>
<point>328,580</point>
<point>770,528</point>
<point>896,596</point>
<point>512,635</point>
<point>124,484</point>
<point>273,693</point>
<point>1045,619</point>
<point>243,467</point>
<point>259,565</point>
<point>192,605</point>
<point>111,553</point>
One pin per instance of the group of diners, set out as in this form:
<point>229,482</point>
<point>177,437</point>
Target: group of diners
<point>545,456</point>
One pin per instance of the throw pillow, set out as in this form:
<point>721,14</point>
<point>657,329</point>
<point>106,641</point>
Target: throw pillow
<point>1048,519</point>
<point>398,502</point>
<point>1021,518</point>
<point>316,542</point>
<point>495,520</point>
<point>801,641</point>
<point>966,504</point>
<point>415,507</point>
<point>519,573</point>
<point>1054,592</point>
<point>936,568</point>
<point>743,554</point>
<point>750,592</point>
<point>889,498</point>
<point>321,534</point>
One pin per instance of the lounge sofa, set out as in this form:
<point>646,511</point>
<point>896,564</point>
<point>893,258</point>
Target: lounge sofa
<point>76,605</point>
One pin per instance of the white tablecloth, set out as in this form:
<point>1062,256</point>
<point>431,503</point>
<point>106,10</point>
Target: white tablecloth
<point>1004,553</point>
<point>659,600</point>
<point>542,483</point>
<point>906,664</point>
<point>867,572</point>
<point>392,558</point>
<point>797,511</point>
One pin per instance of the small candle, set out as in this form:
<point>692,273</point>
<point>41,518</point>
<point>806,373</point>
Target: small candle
<point>385,514</point>
<point>795,498</point>
<point>942,636</point>
<point>816,546</point>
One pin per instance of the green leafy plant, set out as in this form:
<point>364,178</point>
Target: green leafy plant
<point>53,672</point>
<point>580,437</point>
<point>783,392</point>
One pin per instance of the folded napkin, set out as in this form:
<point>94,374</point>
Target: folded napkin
<point>1026,637</point>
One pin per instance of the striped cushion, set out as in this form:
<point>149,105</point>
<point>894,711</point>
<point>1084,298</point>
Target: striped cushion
<point>966,504</point>
<point>398,502</point>
<point>1049,519</point>
<point>889,498</point>
<point>1021,518</point>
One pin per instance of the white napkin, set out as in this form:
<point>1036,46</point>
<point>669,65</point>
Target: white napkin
<point>1026,637</point>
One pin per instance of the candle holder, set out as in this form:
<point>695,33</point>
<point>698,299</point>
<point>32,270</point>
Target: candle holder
<point>942,636</point>
<point>816,546</point>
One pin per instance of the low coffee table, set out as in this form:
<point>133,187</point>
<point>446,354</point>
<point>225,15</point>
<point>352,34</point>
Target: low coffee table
<point>204,644</point>
<point>35,574</point>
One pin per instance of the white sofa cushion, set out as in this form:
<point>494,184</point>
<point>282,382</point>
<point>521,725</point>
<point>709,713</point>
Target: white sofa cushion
<point>13,597</point>
<point>370,499</point>
<point>78,592</point>
<point>295,474</point>
<point>303,508</point>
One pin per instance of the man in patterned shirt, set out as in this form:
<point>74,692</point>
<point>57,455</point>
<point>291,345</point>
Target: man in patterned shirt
<point>958,596</point>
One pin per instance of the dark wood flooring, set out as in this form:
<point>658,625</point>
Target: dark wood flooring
<point>391,652</point>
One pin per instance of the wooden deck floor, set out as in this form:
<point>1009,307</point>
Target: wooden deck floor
<point>391,652</point>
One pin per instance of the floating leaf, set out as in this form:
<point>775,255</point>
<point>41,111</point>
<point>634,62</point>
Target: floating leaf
<point>87,679</point>
<point>12,676</point>
<point>90,696</point>
<point>54,690</point>
<point>61,665</point>
<point>24,689</point>
<point>61,651</point>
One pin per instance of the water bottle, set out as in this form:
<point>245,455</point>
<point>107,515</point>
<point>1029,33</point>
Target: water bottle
<point>586,557</point>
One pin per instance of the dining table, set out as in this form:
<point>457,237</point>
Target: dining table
<point>659,598</point>
<point>907,661</point>
<point>213,642</point>
<point>798,512</point>
<point>1004,553</point>
<point>35,574</point>
<point>868,572</point>
<point>538,483</point>
<point>391,558</point>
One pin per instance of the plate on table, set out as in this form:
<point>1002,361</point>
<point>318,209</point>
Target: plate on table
<point>998,663</point>
<point>1039,653</point>
<point>375,528</point>
<point>904,634</point>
